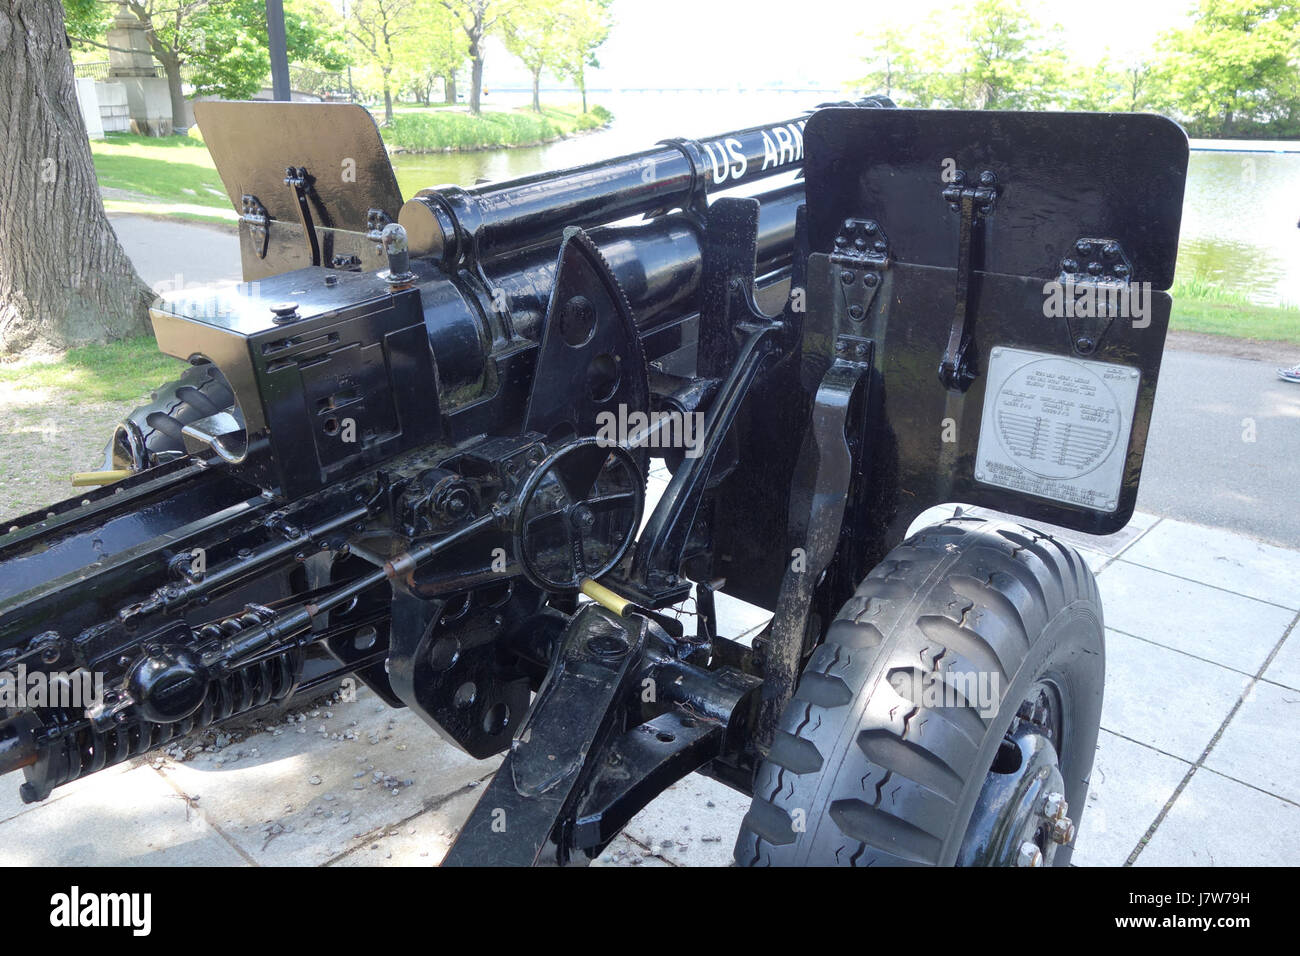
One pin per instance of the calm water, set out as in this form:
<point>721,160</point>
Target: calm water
<point>1239,216</point>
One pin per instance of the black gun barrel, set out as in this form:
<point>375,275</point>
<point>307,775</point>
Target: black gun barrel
<point>450,223</point>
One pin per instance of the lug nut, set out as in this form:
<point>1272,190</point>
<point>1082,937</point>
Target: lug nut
<point>1029,855</point>
<point>1063,831</point>
<point>1054,806</point>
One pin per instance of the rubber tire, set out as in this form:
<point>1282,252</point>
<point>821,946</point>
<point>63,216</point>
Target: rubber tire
<point>202,390</point>
<point>875,779</point>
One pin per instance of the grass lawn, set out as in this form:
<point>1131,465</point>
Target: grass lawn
<point>1203,307</point>
<point>123,371</point>
<point>166,175</point>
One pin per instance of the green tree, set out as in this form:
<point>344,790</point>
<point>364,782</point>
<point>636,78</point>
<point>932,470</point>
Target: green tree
<point>380,31</point>
<point>479,19</point>
<point>532,36</point>
<point>999,57</point>
<point>64,277</point>
<point>892,56</point>
<point>433,48</point>
<point>583,25</point>
<point>85,18</point>
<point>230,57</point>
<point>222,43</point>
<point>1233,70</point>
<point>1107,86</point>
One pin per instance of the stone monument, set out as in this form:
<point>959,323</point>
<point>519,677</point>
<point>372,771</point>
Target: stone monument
<point>131,63</point>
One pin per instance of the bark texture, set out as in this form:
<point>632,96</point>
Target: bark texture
<point>64,278</point>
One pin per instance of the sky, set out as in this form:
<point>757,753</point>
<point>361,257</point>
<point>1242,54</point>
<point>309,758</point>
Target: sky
<point>725,43</point>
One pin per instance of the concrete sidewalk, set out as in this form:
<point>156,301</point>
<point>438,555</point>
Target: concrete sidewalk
<point>1197,763</point>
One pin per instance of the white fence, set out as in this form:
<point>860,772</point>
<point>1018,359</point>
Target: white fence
<point>103,107</point>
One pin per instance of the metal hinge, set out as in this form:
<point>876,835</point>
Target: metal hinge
<point>973,204</point>
<point>254,213</point>
<point>862,256</point>
<point>1094,288</point>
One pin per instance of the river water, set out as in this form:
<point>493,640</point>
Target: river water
<point>1240,211</point>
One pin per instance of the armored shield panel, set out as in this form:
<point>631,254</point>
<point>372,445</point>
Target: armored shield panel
<point>311,182</point>
<point>1009,272</point>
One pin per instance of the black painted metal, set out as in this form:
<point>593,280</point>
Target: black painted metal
<point>412,479</point>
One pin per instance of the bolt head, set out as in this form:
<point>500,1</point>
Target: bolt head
<point>1054,806</point>
<point>1062,831</point>
<point>1029,855</point>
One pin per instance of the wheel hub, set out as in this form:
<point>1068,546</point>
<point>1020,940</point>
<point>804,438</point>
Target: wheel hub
<point>1020,818</point>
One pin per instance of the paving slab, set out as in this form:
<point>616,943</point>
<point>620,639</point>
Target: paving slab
<point>1219,822</point>
<point>1259,745</point>
<point>1226,628</point>
<point>11,804</point>
<point>1285,667</point>
<point>1165,699</point>
<point>421,841</point>
<point>692,823</point>
<point>132,818</point>
<point>1129,786</point>
<point>305,798</point>
<point>624,851</point>
<point>1229,561</point>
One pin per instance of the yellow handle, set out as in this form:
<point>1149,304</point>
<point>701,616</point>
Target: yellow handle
<point>83,478</point>
<point>604,596</point>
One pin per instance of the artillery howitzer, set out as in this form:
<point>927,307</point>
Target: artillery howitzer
<point>418,434</point>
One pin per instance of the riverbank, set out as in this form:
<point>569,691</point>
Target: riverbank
<point>1206,309</point>
<point>451,130</point>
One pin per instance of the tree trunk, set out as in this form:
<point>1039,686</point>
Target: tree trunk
<point>388,101</point>
<point>449,89</point>
<point>537,85</point>
<point>171,65</point>
<point>582,85</point>
<point>64,279</point>
<point>476,83</point>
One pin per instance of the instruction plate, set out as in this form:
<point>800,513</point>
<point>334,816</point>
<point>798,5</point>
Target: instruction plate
<point>1056,427</point>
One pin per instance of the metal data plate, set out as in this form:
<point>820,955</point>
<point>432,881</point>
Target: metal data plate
<point>1057,427</point>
